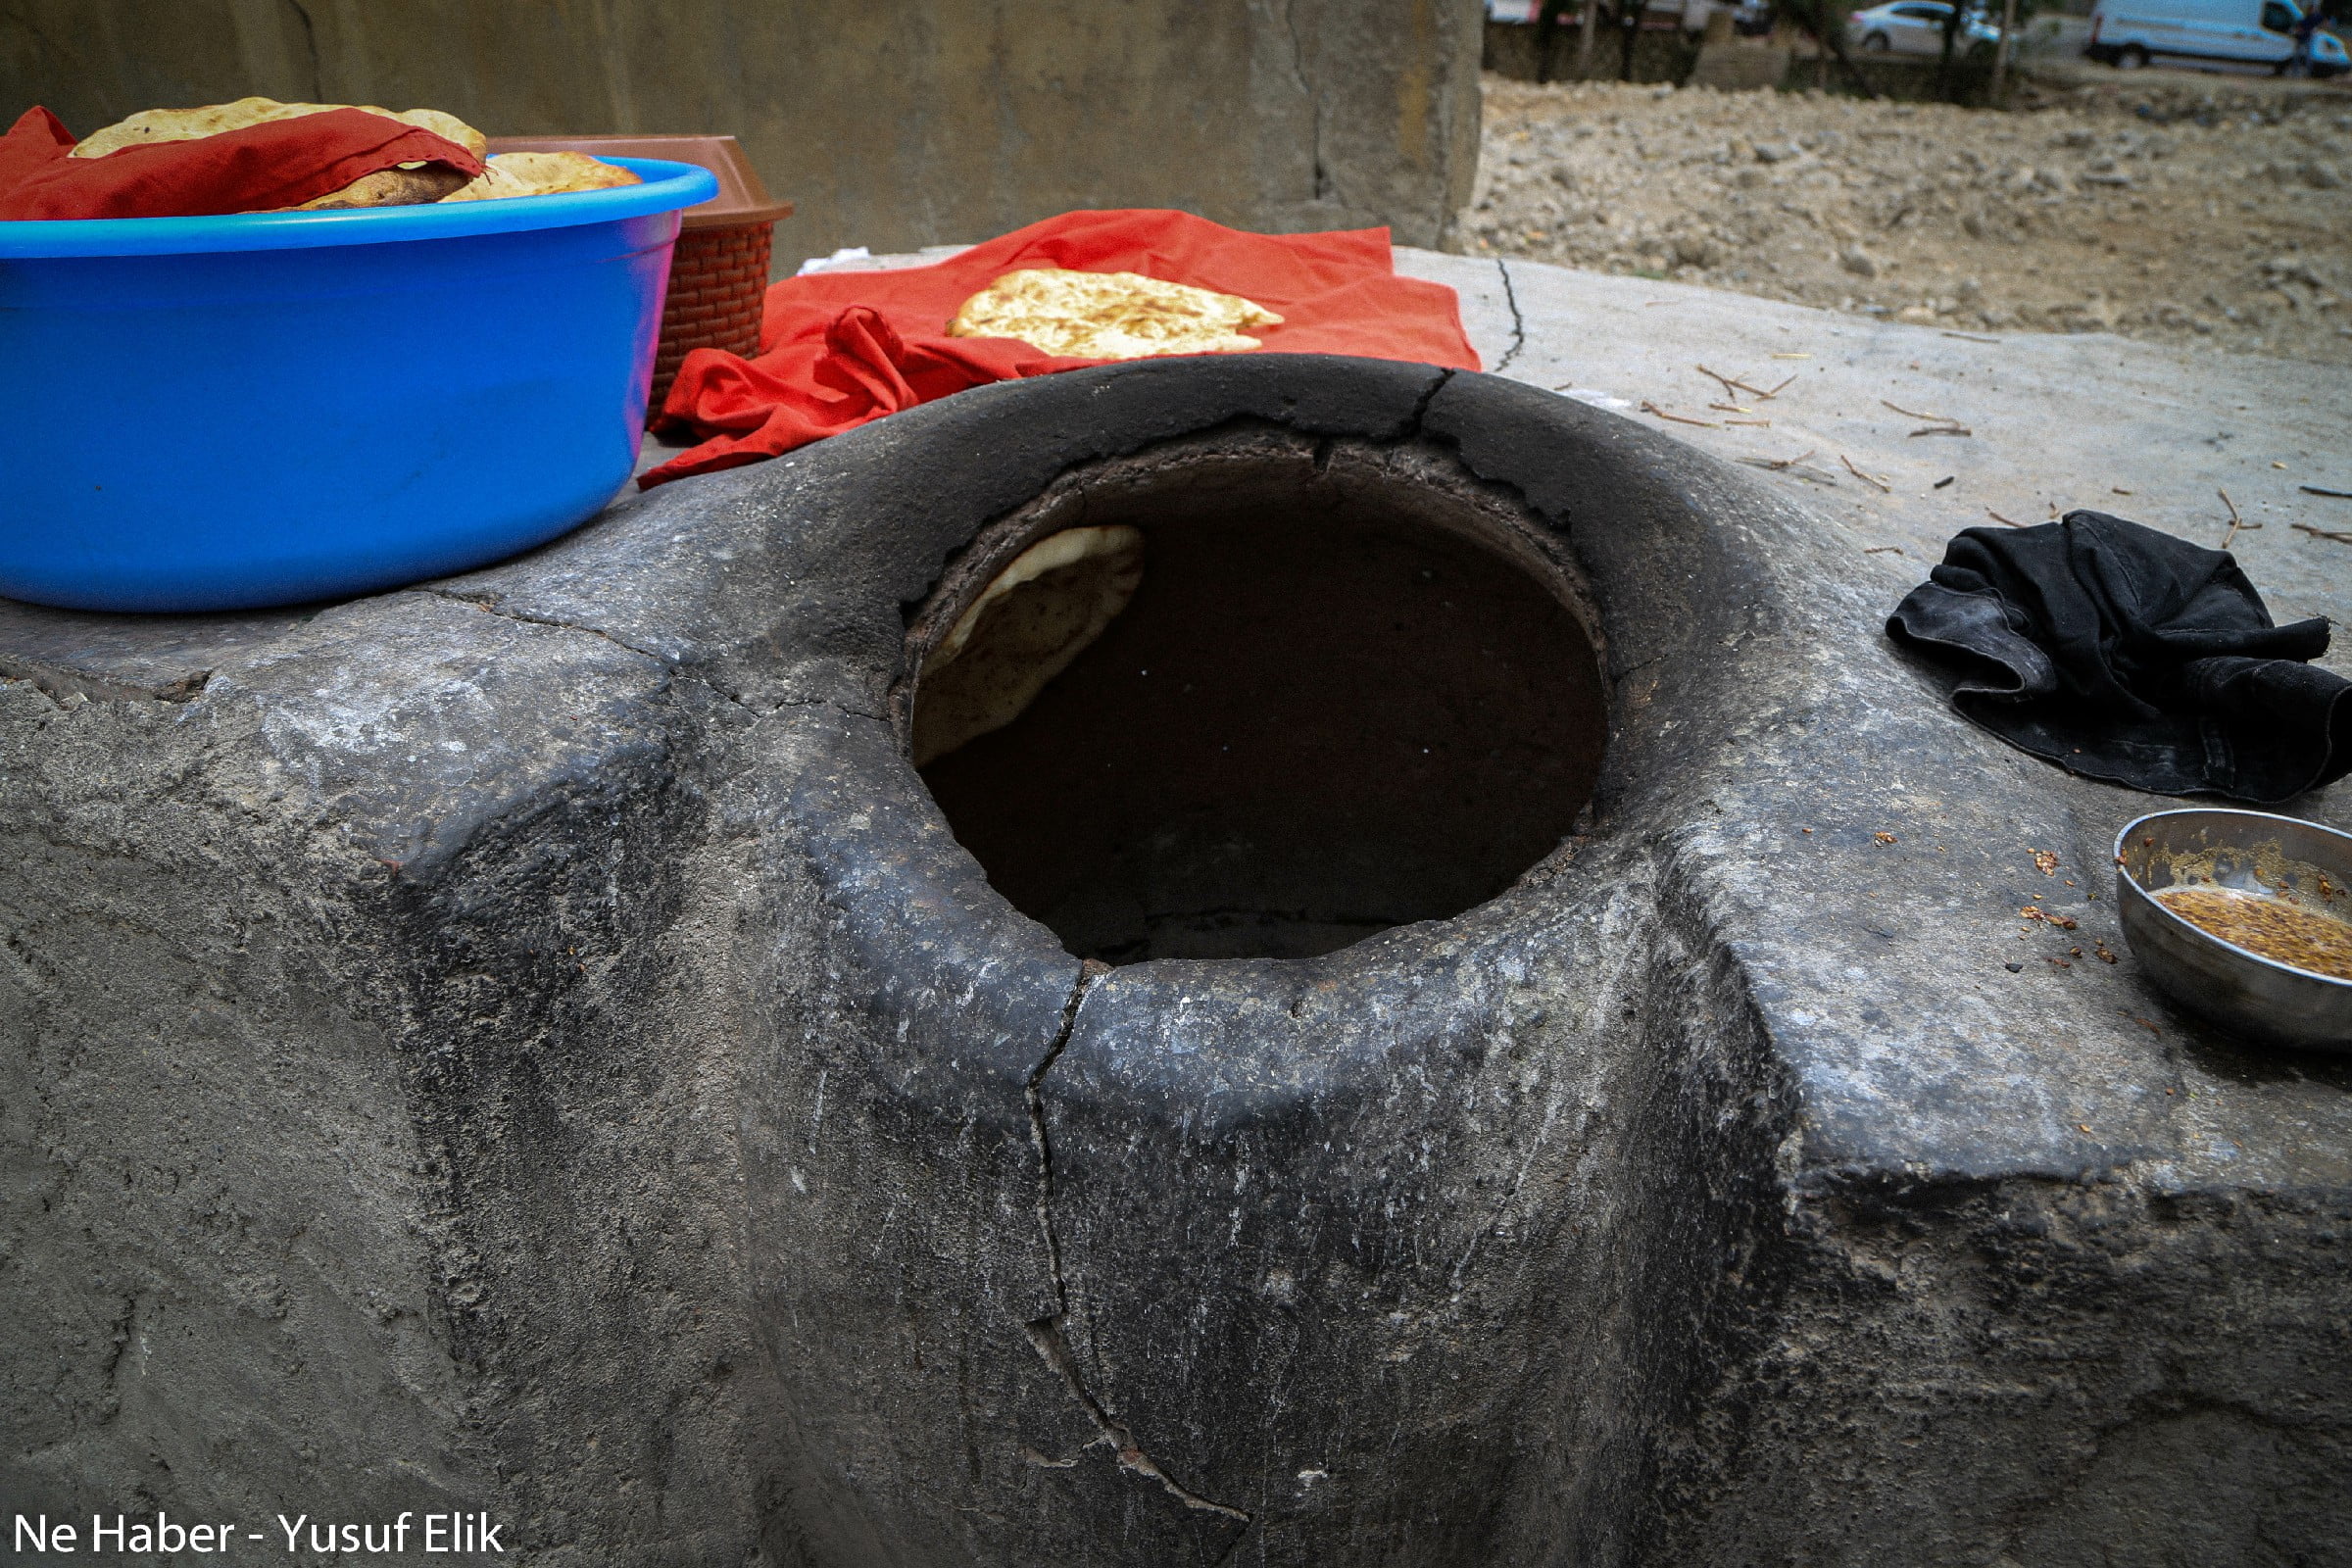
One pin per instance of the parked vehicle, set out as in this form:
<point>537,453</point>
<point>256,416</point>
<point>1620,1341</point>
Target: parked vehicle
<point>2256,33</point>
<point>1915,27</point>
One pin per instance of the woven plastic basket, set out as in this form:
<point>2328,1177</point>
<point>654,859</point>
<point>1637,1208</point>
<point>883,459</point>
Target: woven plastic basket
<point>718,275</point>
<point>718,281</point>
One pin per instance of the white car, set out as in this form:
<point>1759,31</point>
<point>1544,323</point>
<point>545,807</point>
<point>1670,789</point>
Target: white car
<point>2250,32</point>
<point>1915,27</point>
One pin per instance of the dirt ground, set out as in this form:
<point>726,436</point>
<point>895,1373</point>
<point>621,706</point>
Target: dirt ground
<point>2214,210</point>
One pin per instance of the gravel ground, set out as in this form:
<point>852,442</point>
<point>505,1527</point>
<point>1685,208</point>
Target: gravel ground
<point>2219,213</point>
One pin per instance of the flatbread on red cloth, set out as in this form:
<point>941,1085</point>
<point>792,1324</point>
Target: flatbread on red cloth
<point>841,349</point>
<point>278,164</point>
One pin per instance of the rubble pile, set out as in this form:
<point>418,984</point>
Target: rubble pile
<point>2231,227</point>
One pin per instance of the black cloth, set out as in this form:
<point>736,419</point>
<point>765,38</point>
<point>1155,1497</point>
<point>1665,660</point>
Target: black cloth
<point>2129,656</point>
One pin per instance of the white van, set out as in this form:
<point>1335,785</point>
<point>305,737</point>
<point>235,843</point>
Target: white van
<point>2253,33</point>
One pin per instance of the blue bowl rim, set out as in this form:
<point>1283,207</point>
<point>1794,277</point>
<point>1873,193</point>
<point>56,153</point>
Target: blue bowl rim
<point>666,188</point>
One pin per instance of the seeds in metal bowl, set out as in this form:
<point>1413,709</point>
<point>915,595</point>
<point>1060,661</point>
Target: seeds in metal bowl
<point>2272,928</point>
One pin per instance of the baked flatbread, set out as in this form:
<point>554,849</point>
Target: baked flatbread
<point>187,124</point>
<point>399,187</point>
<point>1110,315</point>
<point>1035,616</point>
<point>541,174</point>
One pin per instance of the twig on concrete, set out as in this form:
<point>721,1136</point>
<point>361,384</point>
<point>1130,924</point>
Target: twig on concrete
<point>1945,423</point>
<point>1796,468</point>
<point>1970,337</point>
<point>2337,535</point>
<point>1731,383</point>
<point>1728,408</point>
<point>1778,390</point>
<point>1728,385</point>
<point>1997,517</point>
<point>1759,423</point>
<point>1866,478</point>
<point>1883,550</point>
<point>1648,407</point>
<point>2322,490</point>
<point>2237,523</point>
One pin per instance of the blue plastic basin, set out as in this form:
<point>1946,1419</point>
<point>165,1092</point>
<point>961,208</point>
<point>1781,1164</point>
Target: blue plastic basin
<point>224,413</point>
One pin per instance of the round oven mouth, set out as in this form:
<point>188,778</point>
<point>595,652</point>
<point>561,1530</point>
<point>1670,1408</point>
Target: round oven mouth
<point>1256,696</point>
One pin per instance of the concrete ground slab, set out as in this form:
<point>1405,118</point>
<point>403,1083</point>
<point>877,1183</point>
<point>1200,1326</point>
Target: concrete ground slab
<point>2055,421</point>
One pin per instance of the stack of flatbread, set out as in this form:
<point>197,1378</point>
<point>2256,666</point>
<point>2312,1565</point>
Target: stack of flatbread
<point>540,174</point>
<point>1110,315</point>
<point>505,174</point>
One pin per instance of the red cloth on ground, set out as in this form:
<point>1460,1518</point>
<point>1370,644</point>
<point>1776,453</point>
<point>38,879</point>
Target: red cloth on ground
<point>841,349</point>
<point>282,163</point>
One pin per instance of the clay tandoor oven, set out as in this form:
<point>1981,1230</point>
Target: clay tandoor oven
<point>1303,691</point>
<point>1274,961</point>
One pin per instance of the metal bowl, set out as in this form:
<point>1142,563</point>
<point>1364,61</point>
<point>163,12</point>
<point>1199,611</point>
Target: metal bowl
<point>2230,988</point>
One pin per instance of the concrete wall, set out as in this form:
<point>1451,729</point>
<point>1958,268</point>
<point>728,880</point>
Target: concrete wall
<point>893,123</point>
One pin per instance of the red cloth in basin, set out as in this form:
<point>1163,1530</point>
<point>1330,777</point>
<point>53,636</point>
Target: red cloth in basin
<point>278,164</point>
